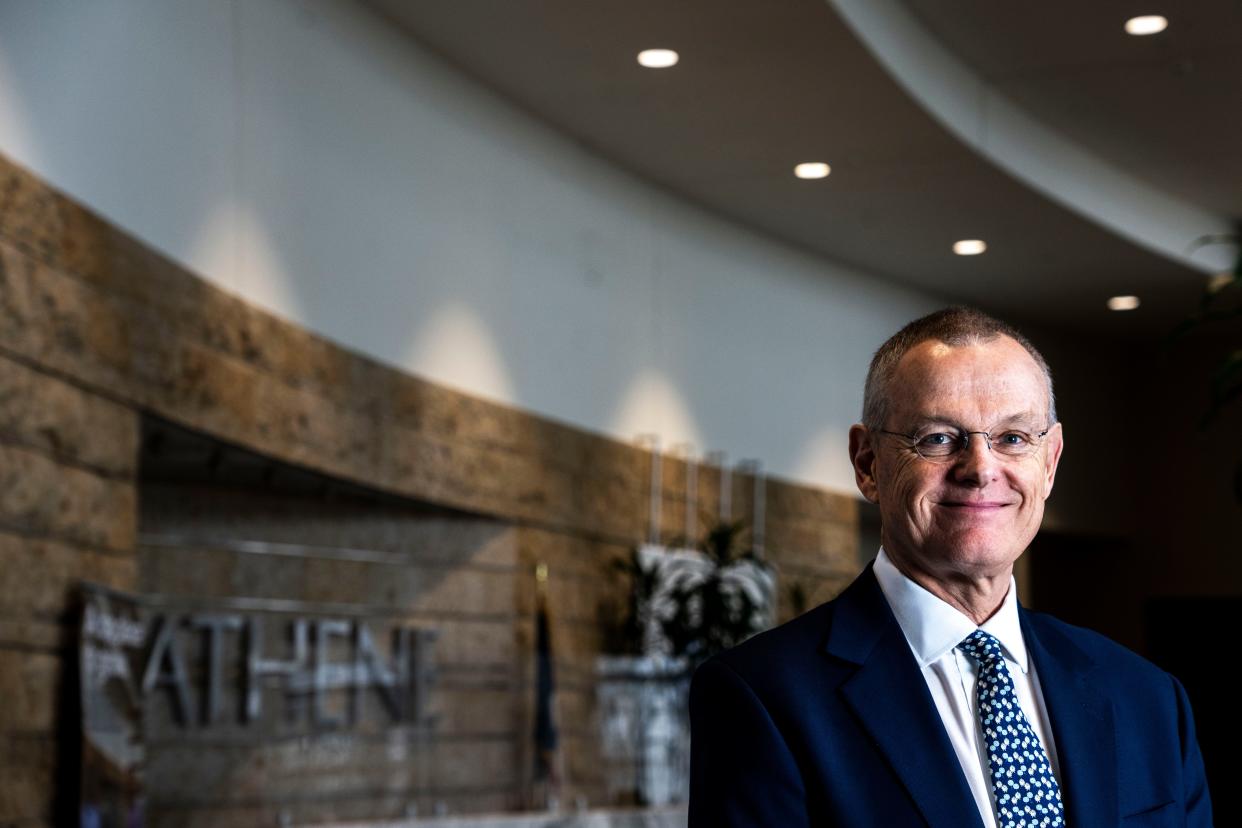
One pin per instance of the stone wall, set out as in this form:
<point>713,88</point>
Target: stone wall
<point>96,329</point>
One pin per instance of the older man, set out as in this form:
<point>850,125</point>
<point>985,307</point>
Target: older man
<point>925,694</point>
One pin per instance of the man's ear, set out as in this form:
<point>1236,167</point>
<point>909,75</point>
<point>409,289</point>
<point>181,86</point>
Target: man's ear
<point>862,457</point>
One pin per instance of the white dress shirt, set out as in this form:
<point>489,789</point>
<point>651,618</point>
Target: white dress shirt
<point>933,629</point>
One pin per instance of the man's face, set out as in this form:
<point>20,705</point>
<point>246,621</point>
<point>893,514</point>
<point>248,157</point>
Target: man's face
<point>973,514</point>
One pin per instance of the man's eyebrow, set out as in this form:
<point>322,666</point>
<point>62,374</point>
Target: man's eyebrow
<point>924,420</point>
<point>1025,418</point>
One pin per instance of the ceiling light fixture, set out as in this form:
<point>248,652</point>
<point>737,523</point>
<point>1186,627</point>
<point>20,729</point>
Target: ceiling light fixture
<point>969,247</point>
<point>1123,303</point>
<point>1148,24</point>
<point>658,58</point>
<point>812,169</point>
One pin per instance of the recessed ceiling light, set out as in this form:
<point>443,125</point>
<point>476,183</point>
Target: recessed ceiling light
<point>1148,24</point>
<point>969,247</point>
<point>658,58</point>
<point>1123,303</point>
<point>812,169</point>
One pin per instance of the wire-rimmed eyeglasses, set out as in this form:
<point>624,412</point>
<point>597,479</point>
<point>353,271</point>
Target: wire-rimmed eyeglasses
<point>940,445</point>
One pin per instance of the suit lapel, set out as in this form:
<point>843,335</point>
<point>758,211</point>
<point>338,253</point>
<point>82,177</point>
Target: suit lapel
<point>889,696</point>
<point>1082,725</point>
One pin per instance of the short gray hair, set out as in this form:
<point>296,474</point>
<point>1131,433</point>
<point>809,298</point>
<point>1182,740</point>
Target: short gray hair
<point>954,327</point>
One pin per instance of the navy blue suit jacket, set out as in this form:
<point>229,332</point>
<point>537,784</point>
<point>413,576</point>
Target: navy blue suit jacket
<point>827,721</point>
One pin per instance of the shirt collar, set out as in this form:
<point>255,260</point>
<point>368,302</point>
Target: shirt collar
<point>933,627</point>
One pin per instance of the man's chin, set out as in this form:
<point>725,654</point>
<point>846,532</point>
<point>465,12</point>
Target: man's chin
<point>960,555</point>
<point>978,553</point>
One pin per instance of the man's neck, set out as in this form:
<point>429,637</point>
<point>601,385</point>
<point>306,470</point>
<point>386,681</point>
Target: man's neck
<point>978,598</point>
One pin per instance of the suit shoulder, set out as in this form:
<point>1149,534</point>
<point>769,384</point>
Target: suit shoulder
<point>1101,649</point>
<point>779,649</point>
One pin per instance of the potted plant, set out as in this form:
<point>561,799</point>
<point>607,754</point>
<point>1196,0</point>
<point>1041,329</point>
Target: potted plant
<point>684,605</point>
<point>711,601</point>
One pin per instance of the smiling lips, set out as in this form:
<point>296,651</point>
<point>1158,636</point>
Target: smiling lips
<point>974,505</point>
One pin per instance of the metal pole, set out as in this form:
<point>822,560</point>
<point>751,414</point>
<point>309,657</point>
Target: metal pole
<point>692,499</point>
<point>656,493</point>
<point>726,484</point>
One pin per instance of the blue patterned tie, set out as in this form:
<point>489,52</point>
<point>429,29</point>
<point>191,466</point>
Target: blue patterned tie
<point>1026,791</point>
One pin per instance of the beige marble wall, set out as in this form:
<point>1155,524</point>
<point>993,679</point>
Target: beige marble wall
<point>96,328</point>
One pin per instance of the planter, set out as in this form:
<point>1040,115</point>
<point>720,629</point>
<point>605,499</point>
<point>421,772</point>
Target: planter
<point>644,720</point>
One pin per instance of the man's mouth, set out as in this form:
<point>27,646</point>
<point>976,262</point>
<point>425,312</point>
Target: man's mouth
<point>975,505</point>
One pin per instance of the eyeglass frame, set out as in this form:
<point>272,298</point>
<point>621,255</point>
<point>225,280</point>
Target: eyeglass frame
<point>1036,441</point>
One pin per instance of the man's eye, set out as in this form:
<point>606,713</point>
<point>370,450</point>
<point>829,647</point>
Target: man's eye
<point>1013,438</point>
<point>938,439</point>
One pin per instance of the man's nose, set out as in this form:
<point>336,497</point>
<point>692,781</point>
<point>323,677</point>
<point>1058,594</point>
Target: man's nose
<point>976,464</point>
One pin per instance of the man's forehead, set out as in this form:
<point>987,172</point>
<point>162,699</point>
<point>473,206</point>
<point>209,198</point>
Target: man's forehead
<point>1001,354</point>
<point>997,377</point>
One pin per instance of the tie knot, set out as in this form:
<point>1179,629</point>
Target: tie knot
<point>983,647</point>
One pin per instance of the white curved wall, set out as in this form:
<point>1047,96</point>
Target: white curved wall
<point>312,160</point>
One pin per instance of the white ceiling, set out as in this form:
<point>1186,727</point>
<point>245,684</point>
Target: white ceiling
<point>764,84</point>
<point>1166,108</point>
